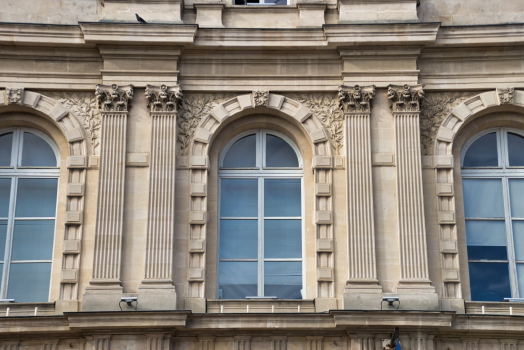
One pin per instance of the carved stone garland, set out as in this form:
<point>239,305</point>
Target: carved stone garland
<point>76,165</point>
<point>405,103</point>
<point>164,103</point>
<point>323,164</point>
<point>113,102</point>
<point>442,161</point>
<point>356,103</point>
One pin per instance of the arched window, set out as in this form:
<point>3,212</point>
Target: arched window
<point>28,191</point>
<point>493,188</point>
<point>260,217</point>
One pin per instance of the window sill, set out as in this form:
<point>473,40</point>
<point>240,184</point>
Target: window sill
<point>27,309</point>
<point>260,306</point>
<point>494,308</point>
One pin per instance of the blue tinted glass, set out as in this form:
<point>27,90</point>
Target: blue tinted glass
<point>29,282</point>
<point>36,198</point>
<point>489,281</point>
<point>283,279</point>
<point>237,280</point>
<point>5,194</point>
<point>242,154</point>
<point>238,239</point>
<point>516,196</point>
<point>483,152</point>
<point>6,143</point>
<point>483,198</point>
<point>282,238</point>
<point>279,153</point>
<point>239,198</point>
<point>37,152</point>
<point>3,235</point>
<point>515,147</point>
<point>478,252</point>
<point>518,241</point>
<point>486,240</point>
<point>282,197</point>
<point>33,240</point>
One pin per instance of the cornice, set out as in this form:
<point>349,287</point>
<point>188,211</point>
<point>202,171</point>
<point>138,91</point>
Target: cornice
<point>130,320</point>
<point>484,35</point>
<point>127,33</point>
<point>260,37</point>
<point>40,34</point>
<point>375,34</point>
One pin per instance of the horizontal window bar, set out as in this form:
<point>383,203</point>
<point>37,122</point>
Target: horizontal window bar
<point>239,260</point>
<point>282,259</point>
<point>489,261</point>
<point>283,218</point>
<point>486,219</point>
<point>239,218</point>
<point>30,261</point>
<point>32,218</point>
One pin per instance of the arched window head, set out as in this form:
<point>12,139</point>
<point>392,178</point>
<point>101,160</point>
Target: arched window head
<point>28,199</point>
<point>260,218</point>
<point>493,188</point>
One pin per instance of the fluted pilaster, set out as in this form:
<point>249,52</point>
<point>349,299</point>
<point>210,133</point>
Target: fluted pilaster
<point>405,103</point>
<point>113,102</point>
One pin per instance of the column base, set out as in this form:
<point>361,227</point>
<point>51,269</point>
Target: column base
<point>417,295</point>
<point>157,295</point>
<point>196,305</point>
<point>362,295</point>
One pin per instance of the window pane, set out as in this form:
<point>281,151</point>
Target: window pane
<point>3,235</point>
<point>515,147</point>
<point>516,196</point>
<point>489,281</point>
<point>282,197</point>
<point>518,240</point>
<point>242,154</point>
<point>279,153</point>
<point>37,152</point>
<point>29,282</point>
<point>36,198</point>
<point>33,240</point>
<point>6,143</point>
<point>5,194</point>
<point>520,276</point>
<point>283,238</point>
<point>238,239</point>
<point>238,280</point>
<point>486,240</point>
<point>483,198</point>
<point>283,279</point>
<point>239,198</point>
<point>483,152</point>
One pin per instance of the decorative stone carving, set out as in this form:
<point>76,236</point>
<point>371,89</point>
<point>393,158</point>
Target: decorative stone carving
<point>83,105</point>
<point>405,98</point>
<point>114,98</point>
<point>434,108</point>
<point>328,110</point>
<point>164,99</point>
<point>506,95</point>
<point>261,98</point>
<point>356,99</point>
<point>14,95</point>
<point>195,108</point>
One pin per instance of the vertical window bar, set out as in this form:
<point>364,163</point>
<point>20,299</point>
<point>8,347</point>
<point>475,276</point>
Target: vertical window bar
<point>261,236</point>
<point>9,235</point>
<point>509,239</point>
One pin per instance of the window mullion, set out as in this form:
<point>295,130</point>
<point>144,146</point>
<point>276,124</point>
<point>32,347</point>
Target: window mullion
<point>9,236</point>
<point>509,239</point>
<point>261,236</point>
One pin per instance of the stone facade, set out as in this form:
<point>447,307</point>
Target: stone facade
<point>379,97</point>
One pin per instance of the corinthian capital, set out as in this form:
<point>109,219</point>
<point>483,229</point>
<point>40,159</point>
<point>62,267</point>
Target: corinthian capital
<point>356,99</point>
<point>114,98</point>
<point>405,98</point>
<point>163,98</point>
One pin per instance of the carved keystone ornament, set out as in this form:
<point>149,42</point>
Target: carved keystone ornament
<point>356,99</point>
<point>163,98</point>
<point>506,95</point>
<point>114,98</point>
<point>405,98</point>
<point>14,95</point>
<point>261,98</point>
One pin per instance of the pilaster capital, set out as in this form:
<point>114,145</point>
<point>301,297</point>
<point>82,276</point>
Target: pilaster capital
<point>163,98</point>
<point>356,99</point>
<point>114,98</point>
<point>405,98</point>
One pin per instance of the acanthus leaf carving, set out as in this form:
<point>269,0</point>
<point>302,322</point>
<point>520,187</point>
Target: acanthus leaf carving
<point>83,106</point>
<point>261,98</point>
<point>356,99</point>
<point>164,98</point>
<point>14,95</point>
<point>194,108</point>
<point>506,95</point>
<point>435,107</point>
<point>114,98</point>
<point>405,98</point>
<point>327,109</point>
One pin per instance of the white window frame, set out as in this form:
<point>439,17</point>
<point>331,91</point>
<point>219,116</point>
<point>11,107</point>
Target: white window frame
<point>261,172</point>
<point>504,172</point>
<point>16,171</point>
